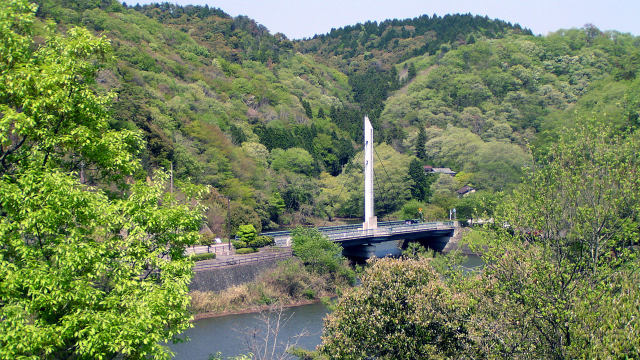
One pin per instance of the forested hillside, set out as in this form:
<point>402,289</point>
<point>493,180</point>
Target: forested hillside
<point>274,124</point>
<point>393,41</point>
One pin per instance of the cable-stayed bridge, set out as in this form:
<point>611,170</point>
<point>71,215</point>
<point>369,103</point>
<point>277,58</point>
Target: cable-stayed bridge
<point>359,240</point>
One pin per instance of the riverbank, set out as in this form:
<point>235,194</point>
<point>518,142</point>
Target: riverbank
<point>288,284</point>
<point>254,310</point>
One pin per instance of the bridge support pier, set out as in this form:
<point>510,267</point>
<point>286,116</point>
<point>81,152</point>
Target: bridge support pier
<point>436,243</point>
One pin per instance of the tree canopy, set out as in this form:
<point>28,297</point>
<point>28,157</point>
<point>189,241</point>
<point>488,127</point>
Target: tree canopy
<point>88,269</point>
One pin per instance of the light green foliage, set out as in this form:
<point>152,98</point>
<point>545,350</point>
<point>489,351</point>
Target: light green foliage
<point>81,266</point>
<point>50,113</point>
<point>294,159</point>
<point>494,165</point>
<point>83,274</point>
<point>563,259</point>
<point>203,256</point>
<point>246,233</point>
<point>402,310</point>
<point>412,209</point>
<point>345,192</point>
<point>247,237</point>
<point>316,251</point>
<point>479,205</point>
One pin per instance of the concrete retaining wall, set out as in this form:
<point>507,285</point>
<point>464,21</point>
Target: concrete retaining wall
<point>221,278</point>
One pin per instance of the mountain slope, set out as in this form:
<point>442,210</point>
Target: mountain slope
<point>274,125</point>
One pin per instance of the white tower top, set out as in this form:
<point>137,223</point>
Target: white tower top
<point>370,220</point>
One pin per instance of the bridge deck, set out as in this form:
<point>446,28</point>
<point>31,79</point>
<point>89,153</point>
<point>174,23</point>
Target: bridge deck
<point>355,232</point>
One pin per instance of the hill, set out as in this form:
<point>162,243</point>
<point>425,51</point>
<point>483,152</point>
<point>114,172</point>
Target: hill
<point>274,125</point>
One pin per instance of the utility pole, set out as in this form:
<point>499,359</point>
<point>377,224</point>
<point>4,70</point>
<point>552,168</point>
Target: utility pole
<point>171,178</point>
<point>229,221</point>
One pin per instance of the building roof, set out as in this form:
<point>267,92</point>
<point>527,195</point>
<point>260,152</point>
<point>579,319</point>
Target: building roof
<point>465,189</point>
<point>444,171</point>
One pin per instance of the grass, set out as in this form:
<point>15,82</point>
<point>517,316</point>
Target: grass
<point>288,283</point>
<point>203,256</point>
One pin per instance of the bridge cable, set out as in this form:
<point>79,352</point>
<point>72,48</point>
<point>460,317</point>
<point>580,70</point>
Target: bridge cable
<point>385,171</point>
<point>377,185</point>
<point>342,187</point>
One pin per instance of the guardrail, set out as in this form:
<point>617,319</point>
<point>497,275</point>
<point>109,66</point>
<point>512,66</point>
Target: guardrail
<point>385,229</point>
<point>244,259</point>
<point>326,229</point>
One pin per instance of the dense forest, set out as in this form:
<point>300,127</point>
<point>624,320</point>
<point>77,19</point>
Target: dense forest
<point>268,121</point>
<point>122,125</point>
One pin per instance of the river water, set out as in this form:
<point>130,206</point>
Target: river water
<point>239,334</point>
<point>234,334</point>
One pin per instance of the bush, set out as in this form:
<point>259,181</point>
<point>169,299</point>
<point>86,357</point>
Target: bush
<point>203,256</point>
<point>309,294</point>
<point>247,233</point>
<point>239,244</point>
<point>316,250</point>
<point>247,250</point>
<point>248,239</point>
<point>262,241</point>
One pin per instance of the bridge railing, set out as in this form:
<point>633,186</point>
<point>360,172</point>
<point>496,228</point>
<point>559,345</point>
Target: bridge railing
<point>244,259</point>
<point>352,231</point>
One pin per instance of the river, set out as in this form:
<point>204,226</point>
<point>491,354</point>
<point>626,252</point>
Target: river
<point>232,335</point>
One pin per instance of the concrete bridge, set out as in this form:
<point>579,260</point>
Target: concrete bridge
<point>359,240</point>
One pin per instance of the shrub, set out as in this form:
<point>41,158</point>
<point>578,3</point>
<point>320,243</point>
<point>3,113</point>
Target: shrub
<point>203,256</point>
<point>247,233</point>
<point>239,244</point>
<point>316,250</point>
<point>262,241</point>
<point>309,294</point>
<point>246,250</point>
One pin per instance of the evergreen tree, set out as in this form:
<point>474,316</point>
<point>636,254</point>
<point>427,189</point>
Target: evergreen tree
<point>420,182</point>
<point>421,140</point>
<point>411,71</point>
<point>307,108</point>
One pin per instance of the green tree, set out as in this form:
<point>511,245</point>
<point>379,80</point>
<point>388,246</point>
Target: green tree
<point>246,233</point>
<point>82,274</point>
<point>566,253</point>
<point>420,146</point>
<point>293,159</point>
<point>316,251</point>
<point>307,108</point>
<point>420,182</point>
<point>411,71</point>
<point>403,310</point>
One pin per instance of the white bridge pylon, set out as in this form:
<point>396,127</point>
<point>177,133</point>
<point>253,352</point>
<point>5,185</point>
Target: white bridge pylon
<point>370,220</point>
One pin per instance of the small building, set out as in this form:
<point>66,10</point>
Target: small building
<point>444,171</point>
<point>465,190</point>
<point>431,169</point>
